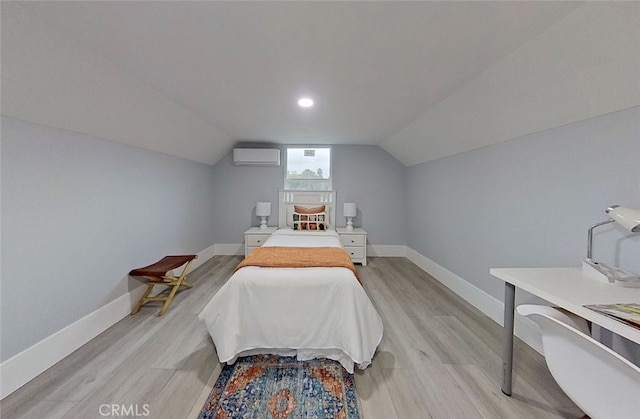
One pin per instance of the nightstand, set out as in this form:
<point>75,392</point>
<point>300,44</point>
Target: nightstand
<point>254,238</point>
<point>355,243</point>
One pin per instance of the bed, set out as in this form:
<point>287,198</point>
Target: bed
<point>308,312</point>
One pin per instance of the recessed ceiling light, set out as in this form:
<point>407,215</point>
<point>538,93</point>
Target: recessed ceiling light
<point>305,102</point>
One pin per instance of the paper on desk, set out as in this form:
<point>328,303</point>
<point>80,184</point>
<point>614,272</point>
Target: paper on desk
<point>625,312</point>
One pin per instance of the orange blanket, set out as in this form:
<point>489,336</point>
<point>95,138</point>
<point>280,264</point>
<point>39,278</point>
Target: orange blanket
<point>299,257</point>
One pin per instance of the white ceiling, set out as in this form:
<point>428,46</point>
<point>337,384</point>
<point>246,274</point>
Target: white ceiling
<point>237,68</point>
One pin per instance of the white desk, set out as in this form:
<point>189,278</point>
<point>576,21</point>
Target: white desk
<point>563,287</point>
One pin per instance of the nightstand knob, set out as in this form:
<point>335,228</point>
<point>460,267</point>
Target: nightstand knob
<point>258,240</point>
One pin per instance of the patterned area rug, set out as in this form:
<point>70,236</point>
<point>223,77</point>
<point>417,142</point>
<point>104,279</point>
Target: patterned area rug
<point>269,386</point>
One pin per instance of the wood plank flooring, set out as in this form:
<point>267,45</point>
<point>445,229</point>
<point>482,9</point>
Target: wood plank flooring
<point>439,358</point>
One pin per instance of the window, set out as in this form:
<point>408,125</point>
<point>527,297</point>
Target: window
<point>308,168</point>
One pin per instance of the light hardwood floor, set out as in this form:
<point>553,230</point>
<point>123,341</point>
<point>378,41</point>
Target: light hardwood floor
<point>439,358</point>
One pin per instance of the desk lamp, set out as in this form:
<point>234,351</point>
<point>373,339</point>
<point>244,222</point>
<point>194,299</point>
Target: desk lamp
<point>629,219</point>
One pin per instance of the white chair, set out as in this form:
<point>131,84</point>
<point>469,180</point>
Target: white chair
<point>598,380</point>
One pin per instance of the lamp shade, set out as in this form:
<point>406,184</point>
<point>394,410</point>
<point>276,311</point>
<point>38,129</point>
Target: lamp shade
<point>263,209</point>
<point>628,218</point>
<point>349,209</point>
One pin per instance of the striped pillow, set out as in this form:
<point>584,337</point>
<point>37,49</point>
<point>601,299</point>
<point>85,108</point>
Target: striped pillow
<point>304,210</point>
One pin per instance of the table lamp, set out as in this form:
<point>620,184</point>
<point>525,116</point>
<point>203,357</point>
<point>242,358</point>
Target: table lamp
<point>263,209</point>
<point>350,210</point>
<point>629,219</point>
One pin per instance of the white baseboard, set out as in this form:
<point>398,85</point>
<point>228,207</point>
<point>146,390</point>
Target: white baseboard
<point>204,256</point>
<point>484,302</point>
<point>489,305</point>
<point>229,249</point>
<point>386,250</point>
<point>529,332</point>
<point>23,367</point>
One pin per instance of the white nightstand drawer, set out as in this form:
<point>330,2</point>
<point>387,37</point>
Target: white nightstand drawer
<point>255,237</point>
<point>353,240</point>
<point>255,240</point>
<point>355,243</point>
<point>355,252</point>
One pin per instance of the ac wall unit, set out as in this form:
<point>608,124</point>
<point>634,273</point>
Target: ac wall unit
<point>256,156</point>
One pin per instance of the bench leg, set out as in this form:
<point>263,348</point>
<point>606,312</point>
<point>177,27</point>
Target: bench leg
<point>173,282</point>
<point>143,299</point>
<point>169,299</point>
<point>179,282</point>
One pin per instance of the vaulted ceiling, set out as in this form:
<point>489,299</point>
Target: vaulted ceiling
<point>423,80</point>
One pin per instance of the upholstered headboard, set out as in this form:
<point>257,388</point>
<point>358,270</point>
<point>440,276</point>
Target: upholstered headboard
<point>289,198</point>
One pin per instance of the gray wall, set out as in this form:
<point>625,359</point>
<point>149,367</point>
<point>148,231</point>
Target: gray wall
<point>528,202</point>
<point>375,181</point>
<point>78,213</point>
<point>235,193</point>
<point>366,175</point>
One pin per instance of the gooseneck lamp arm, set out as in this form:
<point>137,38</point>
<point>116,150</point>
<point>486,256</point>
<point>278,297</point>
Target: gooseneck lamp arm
<point>590,237</point>
<point>627,218</point>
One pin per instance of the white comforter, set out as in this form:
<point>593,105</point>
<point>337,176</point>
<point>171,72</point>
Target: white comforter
<point>307,312</point>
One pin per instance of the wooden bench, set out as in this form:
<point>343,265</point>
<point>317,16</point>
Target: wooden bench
<point>158,274</point>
